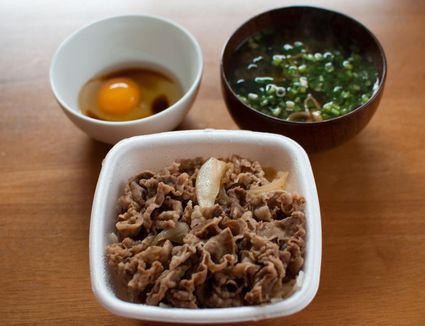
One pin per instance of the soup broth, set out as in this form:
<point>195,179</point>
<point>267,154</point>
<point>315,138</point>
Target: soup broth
<point>306,81</point>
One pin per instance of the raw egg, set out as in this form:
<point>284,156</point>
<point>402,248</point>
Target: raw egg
<point>128,94</point>
<point>118,96</point>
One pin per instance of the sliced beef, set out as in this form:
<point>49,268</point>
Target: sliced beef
<point>245,250</point>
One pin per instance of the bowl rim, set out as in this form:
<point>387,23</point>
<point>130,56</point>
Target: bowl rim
<point>294,303</point>
<point>186,96</point>
<point>361,107</point>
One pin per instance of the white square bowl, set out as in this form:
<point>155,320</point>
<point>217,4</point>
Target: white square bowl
<point>153,152</point>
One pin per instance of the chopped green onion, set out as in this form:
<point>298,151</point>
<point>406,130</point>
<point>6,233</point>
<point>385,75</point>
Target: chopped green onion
<point>282,78</point>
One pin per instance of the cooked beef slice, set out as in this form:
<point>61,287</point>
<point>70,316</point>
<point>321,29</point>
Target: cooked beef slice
<point>245,250</point>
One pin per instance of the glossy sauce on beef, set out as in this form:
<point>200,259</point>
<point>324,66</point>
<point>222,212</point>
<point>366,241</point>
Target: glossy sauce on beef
<point>247,249</point>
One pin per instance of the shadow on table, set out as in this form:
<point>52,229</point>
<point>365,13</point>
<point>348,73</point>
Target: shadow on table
<point>187,124</point>
<point>269,322</point>
<point>349,181</point>
<point>96,152</point>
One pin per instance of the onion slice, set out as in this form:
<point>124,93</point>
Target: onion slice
<point>175,234</point>
<point>208,181</point>
<point>278,184</point>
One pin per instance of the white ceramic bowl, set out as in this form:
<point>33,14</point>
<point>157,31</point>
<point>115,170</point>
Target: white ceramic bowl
<point>130,156</point>
<point>124,41</point>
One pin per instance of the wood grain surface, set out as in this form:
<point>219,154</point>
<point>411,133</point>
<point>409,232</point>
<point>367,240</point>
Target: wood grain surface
<point>371,189</point>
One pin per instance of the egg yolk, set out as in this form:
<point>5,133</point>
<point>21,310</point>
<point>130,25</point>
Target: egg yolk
<point>118,96</point>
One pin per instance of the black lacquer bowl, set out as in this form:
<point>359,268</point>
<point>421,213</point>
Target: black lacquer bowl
<point>303,22</point>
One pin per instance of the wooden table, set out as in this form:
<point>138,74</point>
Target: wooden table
<point>371,189</point>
